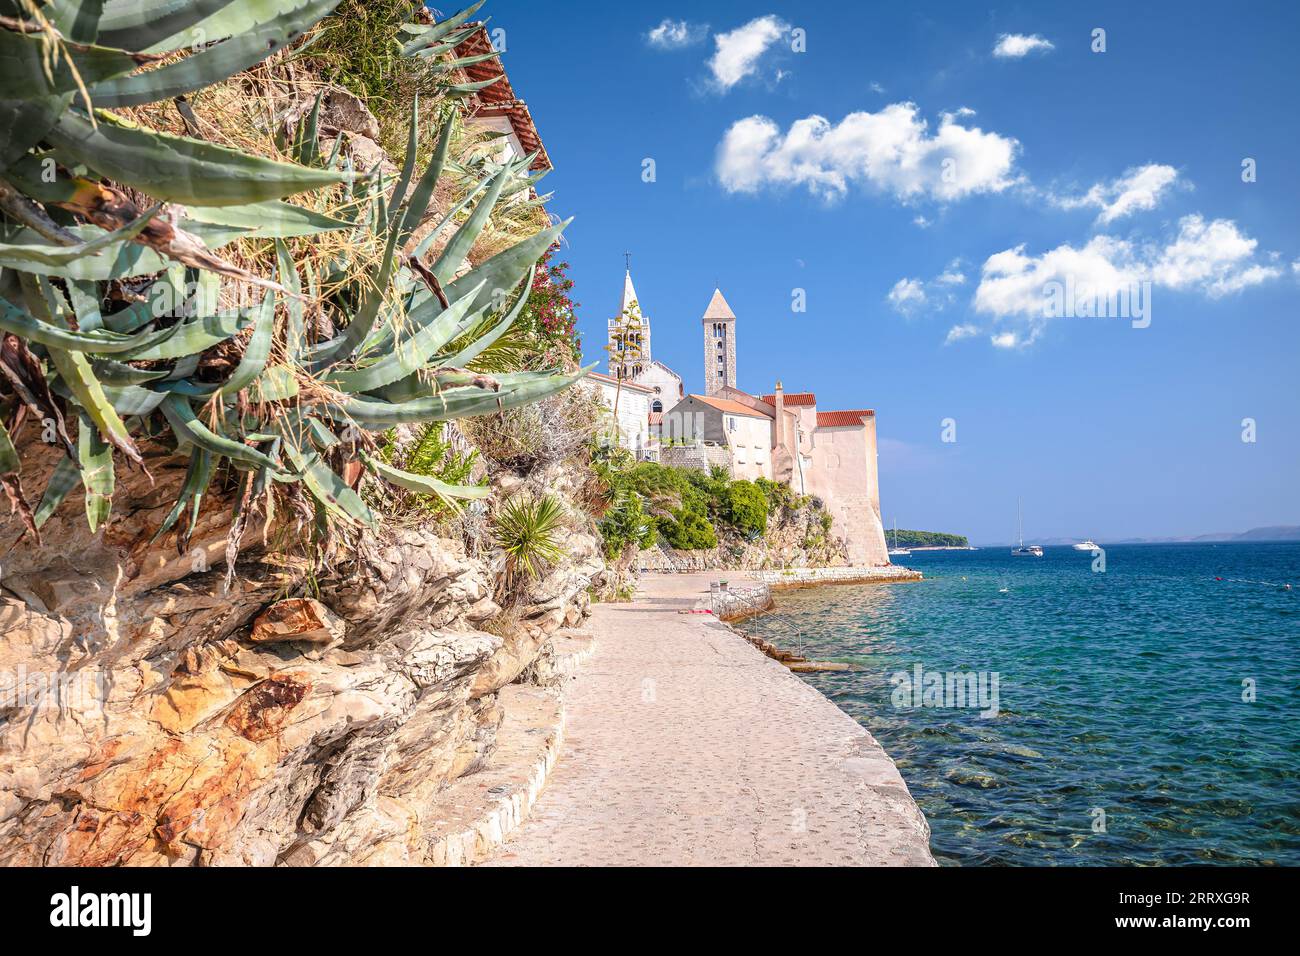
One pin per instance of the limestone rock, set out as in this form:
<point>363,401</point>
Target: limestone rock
<point>298,619</point>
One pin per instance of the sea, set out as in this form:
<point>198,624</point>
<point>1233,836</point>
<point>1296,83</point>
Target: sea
<point>1138,705</point>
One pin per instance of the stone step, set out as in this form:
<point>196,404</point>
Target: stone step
<point>473,815</point>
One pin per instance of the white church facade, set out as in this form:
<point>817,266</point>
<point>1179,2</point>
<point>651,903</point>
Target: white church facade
<point>779,436</point>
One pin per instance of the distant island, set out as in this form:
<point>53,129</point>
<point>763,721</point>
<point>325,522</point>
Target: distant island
<point>1270,533</point>
<point>926,539</point>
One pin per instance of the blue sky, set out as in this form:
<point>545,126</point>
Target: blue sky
<point>1110,168</point>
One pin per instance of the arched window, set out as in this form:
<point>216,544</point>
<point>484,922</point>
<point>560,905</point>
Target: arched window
<point>656,406</point>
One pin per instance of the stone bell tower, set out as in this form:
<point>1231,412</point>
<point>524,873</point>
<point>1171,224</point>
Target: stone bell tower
<point>719,345</point>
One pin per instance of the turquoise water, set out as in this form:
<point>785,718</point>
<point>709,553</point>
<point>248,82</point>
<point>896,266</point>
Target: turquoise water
<point>1119,692</point>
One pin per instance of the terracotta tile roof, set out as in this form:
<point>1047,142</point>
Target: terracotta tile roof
<point>793,398</point>
<point>849,417</point>
<point>499,99</point>
<point>656,418</point>
<point>611,380</point>
<point>730,406</point>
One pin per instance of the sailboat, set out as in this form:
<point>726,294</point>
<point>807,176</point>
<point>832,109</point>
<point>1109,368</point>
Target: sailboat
<point>1033,550</point>
<point>896,551</point>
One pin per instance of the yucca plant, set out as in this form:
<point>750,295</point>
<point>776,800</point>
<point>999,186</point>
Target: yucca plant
<point>527,530</point>
<point>397,344</point>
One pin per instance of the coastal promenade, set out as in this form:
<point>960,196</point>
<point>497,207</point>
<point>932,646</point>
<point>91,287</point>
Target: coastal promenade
<point>685,745</point>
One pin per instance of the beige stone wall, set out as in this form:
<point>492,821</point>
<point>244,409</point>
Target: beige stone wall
<point>716,347</point>
<point>750,441</point>
<point>844,475</point>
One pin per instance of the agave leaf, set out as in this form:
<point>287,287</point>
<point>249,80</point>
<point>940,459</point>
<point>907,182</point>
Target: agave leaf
<point>76,20</point>
<point>277,384</point>
<point>295,333</point>
<point>13,319</point>
<point>475,348</point>
<point>426,35</point>
<point>327,487</point>
<point>446,66</point>
<point>213,63</point>
<point>192,337</point>
<point>10,464</point>
<point>138,24</point>
<point>96,458</point>
<point>466,88</point>
<point>235,18</point>
<point>408,165</point>
<point>38,250</point>
<point>177,168</point>
<point>460,244</point>
<point>131,400</point>
<point>405,359</point>
<point>24,61</point>
<point>454,403</point>
<point>65,478</point>
<point>423,193</point>
<point>271,220</point>
<point>187,427</point>
<point>257,351</point>
<point>121,260</point>
<point>117,373</point>
<point>426,484</point>
<point>363,320</point>
<point>506,268</point>
<point>24,122</point>
<point>197,478</point>
<point>77,375</point>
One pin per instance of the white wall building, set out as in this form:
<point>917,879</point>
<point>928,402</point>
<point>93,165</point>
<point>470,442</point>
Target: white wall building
<point>633,408</point>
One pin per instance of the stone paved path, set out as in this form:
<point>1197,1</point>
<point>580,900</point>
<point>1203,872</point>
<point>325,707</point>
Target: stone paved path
<point>686,746</point>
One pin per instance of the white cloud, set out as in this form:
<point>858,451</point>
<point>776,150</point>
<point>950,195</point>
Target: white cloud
<point>1140,188</point>
<point>891,150</point>
<point>1212,258</point>
<point>675,34</point>
<point>959,332</point>
<point>952,275</point>
<point>922,222</point>
<point>1016,45</point>
<point>907,296</point>
<point>737,51</point>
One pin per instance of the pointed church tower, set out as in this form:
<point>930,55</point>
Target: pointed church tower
<point>637,348</point>
<point>719,345</point>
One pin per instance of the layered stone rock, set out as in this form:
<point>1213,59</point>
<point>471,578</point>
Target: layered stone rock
<point>295,718</point>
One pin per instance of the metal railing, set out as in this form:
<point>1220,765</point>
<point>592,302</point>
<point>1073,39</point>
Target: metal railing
<point>760,623</point>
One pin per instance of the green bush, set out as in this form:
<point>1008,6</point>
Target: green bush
<point>745,508</point>
<point>688,530</point>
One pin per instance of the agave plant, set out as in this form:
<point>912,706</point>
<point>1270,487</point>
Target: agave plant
<point>401,330</point>
<point>527,530</point>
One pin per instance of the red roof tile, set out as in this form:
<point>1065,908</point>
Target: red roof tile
<point>656,418</point>
<point>499,99</point>
<point>849,417</point>
<point>793,398</point>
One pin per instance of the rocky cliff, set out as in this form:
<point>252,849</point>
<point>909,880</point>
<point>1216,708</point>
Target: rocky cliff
<point>310,713</point>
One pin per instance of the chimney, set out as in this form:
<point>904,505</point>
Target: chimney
<point>778,421</point>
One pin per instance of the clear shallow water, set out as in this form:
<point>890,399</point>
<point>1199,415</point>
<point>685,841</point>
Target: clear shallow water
<point>1120,691</point>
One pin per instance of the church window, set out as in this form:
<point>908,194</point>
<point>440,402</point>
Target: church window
<point>656,406</point>
<point>731,423</point>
